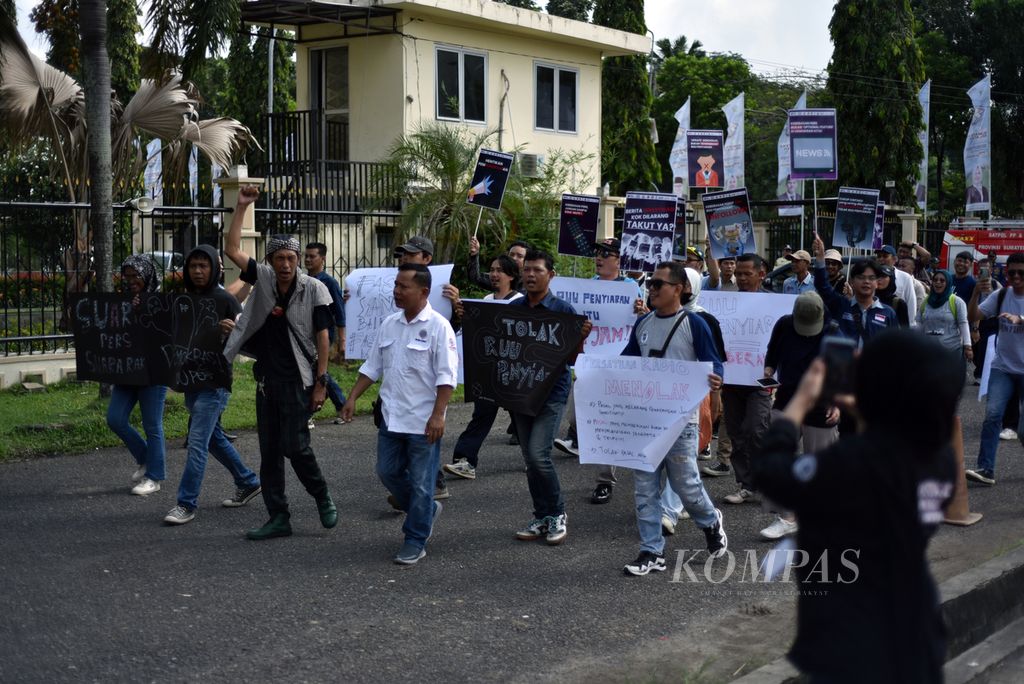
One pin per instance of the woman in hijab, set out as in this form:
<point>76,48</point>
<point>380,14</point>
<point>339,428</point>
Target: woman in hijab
<point>944,316</point>
<point>868,608</point>
<point>886,293</point>
<point>138,276</point>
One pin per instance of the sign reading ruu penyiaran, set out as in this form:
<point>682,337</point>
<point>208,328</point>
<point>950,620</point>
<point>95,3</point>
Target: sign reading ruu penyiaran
<point>165,339</point>
<point>513,355</point>
<point>812,144</point>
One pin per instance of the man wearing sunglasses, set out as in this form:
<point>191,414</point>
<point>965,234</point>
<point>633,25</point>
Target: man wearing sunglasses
<point>1008,365</point>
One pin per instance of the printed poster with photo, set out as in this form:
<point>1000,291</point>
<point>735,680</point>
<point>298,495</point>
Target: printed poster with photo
<point>704,157</point>
<point>490,178</point>
<point>577,225</point>
<point>648,226</point>
<point>812,144</point>
<point>729,225</point>
<point>855,218</point>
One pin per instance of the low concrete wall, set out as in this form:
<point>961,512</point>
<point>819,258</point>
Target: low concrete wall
<point>42,368</point>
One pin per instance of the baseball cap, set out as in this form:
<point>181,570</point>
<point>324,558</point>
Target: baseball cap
<point>787,248</point>
<point>416,243</point>
<point>833,255</point>
<point>808,314</point>
<point>965,255</point>
<point>802,255</point>
<point>887,249</point>
<point>611,244</point>
<point>887,271</point>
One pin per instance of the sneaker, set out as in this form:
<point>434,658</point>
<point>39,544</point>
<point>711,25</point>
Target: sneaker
<point>718,542</point>
<point>230,437</point>
<point>1008,434</point>
<point>779,529</point>
<point>328,511</point>
<point>741,497</point>
<point>705,453</point>
<point>179,515</point>
<point>278,526</point>
<point>139,473</point>
<point>461,468</point>
<point>557,529</point>
<point>983,476</point>
<point>311,424</point>
<point>441,492</point>
<point>667,527</point>
<point>535,530</point>
<point>716,470</point>
<point>409,554</point>
<point>602,493</point>
<point>394,504</point>
<point>646,562</point>
<point>146,487</point>
<point>243,495</point>
<point>338,420</point>
<point>513,440</point>
<point>567,446</point>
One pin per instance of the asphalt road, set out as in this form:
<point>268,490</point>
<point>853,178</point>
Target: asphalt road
<point>96,587</point>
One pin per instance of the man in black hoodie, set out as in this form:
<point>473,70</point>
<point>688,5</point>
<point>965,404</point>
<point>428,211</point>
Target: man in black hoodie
<point>202,277</point>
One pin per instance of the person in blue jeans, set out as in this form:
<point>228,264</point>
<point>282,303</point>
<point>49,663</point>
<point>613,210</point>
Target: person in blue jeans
<point>416,358</point>
<point>672,332</point>
<point>1007,375</point>
<point>202,277</point>
<point>315,260</point>
<point>138,276</point>
<point>537,433</point>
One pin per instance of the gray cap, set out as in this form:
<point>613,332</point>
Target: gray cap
<point>416,243</point>
<point>808,314</point>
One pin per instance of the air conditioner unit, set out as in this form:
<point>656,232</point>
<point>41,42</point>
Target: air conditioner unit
<point>530,165</point>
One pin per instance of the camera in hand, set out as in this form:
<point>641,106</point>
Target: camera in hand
<point>837,353</point>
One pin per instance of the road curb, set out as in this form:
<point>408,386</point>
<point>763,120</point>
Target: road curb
<point>975,605</point>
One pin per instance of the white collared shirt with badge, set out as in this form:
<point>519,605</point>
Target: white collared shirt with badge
<point>414,358</point>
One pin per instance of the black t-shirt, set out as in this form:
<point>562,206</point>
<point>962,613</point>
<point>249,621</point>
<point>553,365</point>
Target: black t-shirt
<point>791,354</point>
<point>272,344</point>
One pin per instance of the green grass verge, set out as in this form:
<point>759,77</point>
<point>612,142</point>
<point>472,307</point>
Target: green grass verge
<point>71,417</point>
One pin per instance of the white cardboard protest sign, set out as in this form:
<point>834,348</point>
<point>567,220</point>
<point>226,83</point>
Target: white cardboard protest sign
<point>609,306</point>
<point>986,370</point>
<point>747,319</point>
<point>371,301</point>
<point>631,409</point>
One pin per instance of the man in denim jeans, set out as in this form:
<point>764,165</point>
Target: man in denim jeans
<point>537,433</point>
<point>1007,375</point>
<point>671,332</point>
<point>416,355</point>
<point>202,277</point>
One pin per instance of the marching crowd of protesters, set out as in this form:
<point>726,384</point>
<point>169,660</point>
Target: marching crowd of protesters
<point>290,321</point>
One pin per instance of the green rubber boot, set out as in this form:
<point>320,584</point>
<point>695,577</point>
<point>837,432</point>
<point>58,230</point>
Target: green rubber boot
<point>278,526</point>
<point>328,511</point>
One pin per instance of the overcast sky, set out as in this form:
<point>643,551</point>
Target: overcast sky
<point>792,33</point>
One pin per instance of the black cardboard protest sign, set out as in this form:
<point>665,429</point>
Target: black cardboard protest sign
<point>812,144</point>
<point>577,225</point>
<point>855,218</point>
<point>513,355</point>
<point>168,339</point>
<point>490,178</point>
<point>648,226</point>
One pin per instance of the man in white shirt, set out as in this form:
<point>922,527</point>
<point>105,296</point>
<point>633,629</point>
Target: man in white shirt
<point>416,354</point>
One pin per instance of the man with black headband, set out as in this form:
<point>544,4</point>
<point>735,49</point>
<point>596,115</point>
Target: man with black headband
<point>284,325</point>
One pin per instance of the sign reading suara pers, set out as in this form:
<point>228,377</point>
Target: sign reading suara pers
<point>812,144</point>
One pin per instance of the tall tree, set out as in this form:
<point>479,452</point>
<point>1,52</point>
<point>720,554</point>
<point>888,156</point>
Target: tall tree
<point>666,47</point>
<point>186,32</point>
<point>97,115</point>
<point>628,160</point>
<point>875,93</point>
<point>571,9</point>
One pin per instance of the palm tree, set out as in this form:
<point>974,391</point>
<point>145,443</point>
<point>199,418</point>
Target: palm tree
<point>186,31</point>
<point>41,103</point>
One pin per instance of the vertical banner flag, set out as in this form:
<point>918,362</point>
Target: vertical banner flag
<point>151,180</point>
<point>677,157</point>
<point>855,218</point>
<point>489,179</point>
<point>732,150</point>
<point>812,144</point>
<point>215,171</point>
<point>788,188</point>
<point>193,175</point>
<point>978,148</point>
<point>729,225</point>
<point>648,225</point>
<point>878,238</point>
<point>704,159</point>
<point>921,190</point>
<point>577,225</point>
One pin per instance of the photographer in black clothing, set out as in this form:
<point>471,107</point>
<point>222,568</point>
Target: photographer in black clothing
<point>867,506</point>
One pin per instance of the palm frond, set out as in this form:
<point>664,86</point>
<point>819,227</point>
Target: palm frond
<point>223,140</point>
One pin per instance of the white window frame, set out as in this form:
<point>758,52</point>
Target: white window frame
<point>558,69</point>
<point>462,52</point>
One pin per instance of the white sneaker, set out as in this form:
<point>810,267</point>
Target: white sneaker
<point>1008,434</point>
<point>779,529</point>
<point>179,515</point>
<point>139,473</point>
<point>741,497</point>
<point>146,487</point>
<point>567,446</point>
<point>311,424</point>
